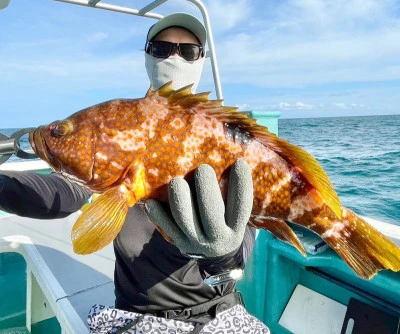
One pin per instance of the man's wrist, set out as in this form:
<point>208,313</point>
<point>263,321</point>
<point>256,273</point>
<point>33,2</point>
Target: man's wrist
<point>211,266</point>
<point>224,277</point>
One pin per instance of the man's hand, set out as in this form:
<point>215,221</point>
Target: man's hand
<point>202,226</point>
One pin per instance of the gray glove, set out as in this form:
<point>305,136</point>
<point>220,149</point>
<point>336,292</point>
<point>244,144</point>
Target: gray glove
<point>202,227</point>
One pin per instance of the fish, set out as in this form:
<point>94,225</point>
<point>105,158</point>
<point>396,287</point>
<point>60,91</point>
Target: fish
<point>128,150</point>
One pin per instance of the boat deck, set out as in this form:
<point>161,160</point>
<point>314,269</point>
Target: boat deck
<point>78,281</point>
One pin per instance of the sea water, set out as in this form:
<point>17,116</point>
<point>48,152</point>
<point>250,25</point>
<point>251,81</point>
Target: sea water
<point>361,155</point>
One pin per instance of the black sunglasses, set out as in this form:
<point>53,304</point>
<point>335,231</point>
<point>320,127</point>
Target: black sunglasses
<point>161,49</point>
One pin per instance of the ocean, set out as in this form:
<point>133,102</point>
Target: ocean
<point>361,155</point>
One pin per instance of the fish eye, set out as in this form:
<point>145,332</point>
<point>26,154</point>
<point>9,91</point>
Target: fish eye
<point>63,128</point>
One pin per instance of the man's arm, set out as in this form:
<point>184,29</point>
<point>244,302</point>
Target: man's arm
<point>40,196</point>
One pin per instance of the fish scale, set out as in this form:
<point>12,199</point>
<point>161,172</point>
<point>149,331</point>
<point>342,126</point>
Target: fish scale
<point>129,150</point>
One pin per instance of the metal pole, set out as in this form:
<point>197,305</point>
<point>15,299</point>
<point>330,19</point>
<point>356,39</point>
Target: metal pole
<point>213,56</point>
<point>151,6</point>
<point>113,8</point>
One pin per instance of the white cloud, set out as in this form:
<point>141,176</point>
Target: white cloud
<point>227,14</point>
<point>244,107</point>
<point>301,105</point>
<point>340,105</point>
<point>98,36</point>
<point>303,43</point>
<point>284,105</point>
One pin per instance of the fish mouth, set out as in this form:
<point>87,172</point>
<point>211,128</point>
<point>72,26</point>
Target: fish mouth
<point>41,148</point>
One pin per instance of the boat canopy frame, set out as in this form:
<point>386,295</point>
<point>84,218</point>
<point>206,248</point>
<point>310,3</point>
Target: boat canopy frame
<point>146,11</point>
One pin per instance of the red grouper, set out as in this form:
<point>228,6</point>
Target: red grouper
<point>129,149</point>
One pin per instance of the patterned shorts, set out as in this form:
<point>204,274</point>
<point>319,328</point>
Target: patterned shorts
<point>107,320</point>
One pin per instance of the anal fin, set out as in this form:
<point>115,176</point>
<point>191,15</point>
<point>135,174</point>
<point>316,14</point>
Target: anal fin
<point>278,228</point>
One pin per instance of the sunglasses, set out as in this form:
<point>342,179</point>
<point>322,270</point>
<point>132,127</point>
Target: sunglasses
<point>187,51</point>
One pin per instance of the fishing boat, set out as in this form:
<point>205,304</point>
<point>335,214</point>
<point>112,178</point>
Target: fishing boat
<point>46,288</point>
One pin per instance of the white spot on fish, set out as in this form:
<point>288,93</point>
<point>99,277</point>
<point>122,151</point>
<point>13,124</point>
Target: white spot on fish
<point>130,140</point>
<point>256,153</point>
<point>116,165</point>
<point>101,156</point>
<point>215,156</point>
<point>166,138</point>
<point>334,231</point>
<point>304,203</point>
<point>186,161</point>
<point>95,176</point>
<point>177,123</point>
<point>282,182</point>
<point>266,202</point>
<point>154,171</point>
<point>155,110</point>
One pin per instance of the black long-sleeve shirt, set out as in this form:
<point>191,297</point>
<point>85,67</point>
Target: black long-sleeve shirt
<point>150,273</point>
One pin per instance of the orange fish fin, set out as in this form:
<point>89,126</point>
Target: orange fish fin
<point>87,205</point>
<point>138,186</point>
<point>361,246</point>
<point>278,228</point>
<point>100,221</point>
<point>164,90</point>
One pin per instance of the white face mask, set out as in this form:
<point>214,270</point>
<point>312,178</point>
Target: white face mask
<point>175,68</point>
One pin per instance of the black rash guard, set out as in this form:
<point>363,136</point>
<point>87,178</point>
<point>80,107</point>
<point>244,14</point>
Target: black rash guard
<point>150,273</point>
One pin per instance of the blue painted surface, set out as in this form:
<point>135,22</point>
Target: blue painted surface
<point>266,118</point>
<point>275,269</point>
<point>13,289</point>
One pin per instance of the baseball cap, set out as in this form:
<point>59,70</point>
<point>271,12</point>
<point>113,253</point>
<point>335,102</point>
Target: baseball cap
<point>184,20</point>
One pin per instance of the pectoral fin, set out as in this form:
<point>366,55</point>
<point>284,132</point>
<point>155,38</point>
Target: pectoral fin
<point>100,221</point>
<point>278,228</point>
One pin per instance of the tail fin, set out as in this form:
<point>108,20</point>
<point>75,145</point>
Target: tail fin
<point>362,247</point>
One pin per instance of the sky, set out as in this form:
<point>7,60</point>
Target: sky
<point>304,58</point>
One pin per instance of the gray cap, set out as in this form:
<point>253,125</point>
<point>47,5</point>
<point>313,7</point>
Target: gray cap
<point>187,21</point>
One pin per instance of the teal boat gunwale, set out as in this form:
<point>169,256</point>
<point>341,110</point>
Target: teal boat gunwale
<point>42,288</point>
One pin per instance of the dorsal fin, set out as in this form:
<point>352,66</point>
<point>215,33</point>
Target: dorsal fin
<point>304,162</point>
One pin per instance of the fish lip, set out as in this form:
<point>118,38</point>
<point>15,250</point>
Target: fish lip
<point>41,148</point>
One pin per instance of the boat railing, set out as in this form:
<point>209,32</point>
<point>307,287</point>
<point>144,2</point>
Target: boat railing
<point>45,297</point>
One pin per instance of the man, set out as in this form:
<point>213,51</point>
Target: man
<point>160,287</point>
